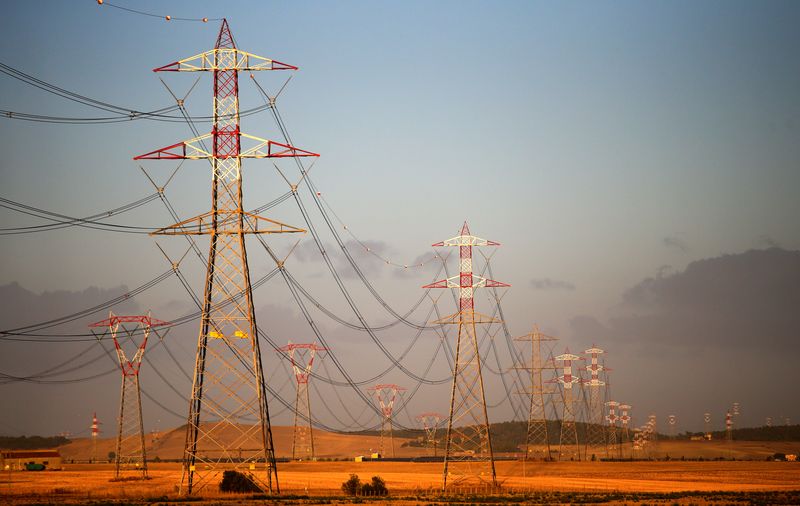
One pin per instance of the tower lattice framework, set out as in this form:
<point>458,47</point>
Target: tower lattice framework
<point>625,419</point>
<point>537,440</point>
<point>430,424</point>
<point>130,454</point>
<point>228,426</point>
<point>385,395</point>
<point>302,357</point>
<point>595,426</point>
<point>468,446</point>
<point>568,445</point>
<point>611,418</point>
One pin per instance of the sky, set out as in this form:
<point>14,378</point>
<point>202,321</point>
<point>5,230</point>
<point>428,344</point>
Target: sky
<point>638,162</point>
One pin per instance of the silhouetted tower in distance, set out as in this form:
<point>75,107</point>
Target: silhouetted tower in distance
<point>430,423</point>
<point>625,419</point>
<point>302,357</point>
<point>707,421</point>
<point>228,427</point>
<point>673,421</point>
<point>568,445</point>
<point>728,427</point>
<point>130,452</point>
<point>468,445</point>
<point>385,395</point>
<point>595,426</point>
<point>537,441</point>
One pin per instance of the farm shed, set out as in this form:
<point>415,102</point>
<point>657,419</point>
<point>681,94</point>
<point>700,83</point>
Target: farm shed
<point>18,459</point>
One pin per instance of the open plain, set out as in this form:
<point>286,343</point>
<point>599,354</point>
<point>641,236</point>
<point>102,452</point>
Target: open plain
<point>410,482</point>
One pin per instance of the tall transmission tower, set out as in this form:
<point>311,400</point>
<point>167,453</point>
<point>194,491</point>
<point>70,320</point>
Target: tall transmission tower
<point>95,435</point>
<point>568,442</point>
<point>130,454</point>
<point>595,428</point>
<point>537,441</point>
<point>707,421</point>
<point>468,445</point>
<point>735,413</point>
<point>769,421</point>
<point>385,395</point>
<point>673,422</point>
<point>728,427</point>
<point>228,424</point>
<point>430,423</point>
<point>302,357</point>
<point>612,418</point>
<point>625,419</point>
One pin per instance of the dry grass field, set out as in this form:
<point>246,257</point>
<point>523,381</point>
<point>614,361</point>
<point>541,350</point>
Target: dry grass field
<point>409,481</point>
<point>85,483</point>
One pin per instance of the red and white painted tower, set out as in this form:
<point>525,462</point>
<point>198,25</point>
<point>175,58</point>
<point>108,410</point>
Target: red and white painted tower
<point>228,427</point>
<point>595,430</point>
<point>468,447</point>
<point>386,394</point>
<point>302,357</point>
<point>672,420</point>
<point>612,418</point>
<point>568,448</point>
<point>130,454</point>
<point>625,420</point>
<point>95,435</point>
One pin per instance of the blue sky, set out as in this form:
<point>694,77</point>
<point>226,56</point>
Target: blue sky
<point>601,143</point>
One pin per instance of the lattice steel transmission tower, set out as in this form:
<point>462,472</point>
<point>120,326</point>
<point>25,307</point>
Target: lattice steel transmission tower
<point>707,421</point>
<point>611,418</point>
<point>595,427</point>
<point>430,423</point>
<point>385,395</point>
<point>95,434</point>
<point>302,357</point>
<point>468,445</point>
<point>625,419</point>
<point>672,420</point>
<point>568,442</point>
<point>728,427</point>
<point>130,450</point>
<point>228,424</point>
<point>537,441</point>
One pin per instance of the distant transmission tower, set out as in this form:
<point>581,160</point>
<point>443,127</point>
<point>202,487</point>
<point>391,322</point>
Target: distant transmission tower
<point>468,445</point>
<point>595,428</point>
<point>95,434</point>
<point>728,427</point>
<point>537,441</point>
<point>430,423</point>
<point>769,421</point>
<point>386,395</point>
<point>130,454</point>
<point>672,420</point>
<point>707,421</point>
<point>735,413</point>
<point>302,357</point>
<point>625,419</point>
<point>228,424</point>
<point>568,442</point>
<point>612,418</point>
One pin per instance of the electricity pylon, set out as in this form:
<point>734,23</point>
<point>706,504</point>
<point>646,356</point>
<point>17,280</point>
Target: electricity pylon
<point>728,427</point>
<point>568,442</point>
<point>95,434</point>
<point>624,419</point>
<point>430,423</point>
<point>595,426</point>
<point>612,418</point>
<point>672,420</point>
<point>468,445</point>
<point>537,441</point>
<point>228,424</point>
<point>302,357</point>
<point>707,421</point>
<point>130,454</point>
<point>385,395</point>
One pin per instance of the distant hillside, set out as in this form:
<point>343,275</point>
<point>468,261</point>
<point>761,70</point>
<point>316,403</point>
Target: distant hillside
<point>782,433</point>
<point>32,442</point>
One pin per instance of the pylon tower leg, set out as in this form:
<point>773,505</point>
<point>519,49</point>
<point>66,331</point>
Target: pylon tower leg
<point>302,440</point>
<point>568,442</point>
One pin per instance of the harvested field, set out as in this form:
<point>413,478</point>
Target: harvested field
<point>90,483</point>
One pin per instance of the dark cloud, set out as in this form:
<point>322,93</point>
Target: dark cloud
<point>551,284</point>
<point>746,300</point>
<point>675,243</point>
<point>766,241</point>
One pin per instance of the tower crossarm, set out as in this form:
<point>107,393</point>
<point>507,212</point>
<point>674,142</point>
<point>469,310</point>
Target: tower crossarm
<point>224,58</point>
<point>226,223</point>
<point>459,282</point>
<point>197,149</point>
